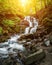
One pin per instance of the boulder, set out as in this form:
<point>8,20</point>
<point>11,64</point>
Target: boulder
<point>46,42</point>
<point>36,56</point>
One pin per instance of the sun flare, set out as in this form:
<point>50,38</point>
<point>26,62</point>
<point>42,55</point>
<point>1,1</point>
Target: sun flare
<point>24,7</point>
<point>24,2</point>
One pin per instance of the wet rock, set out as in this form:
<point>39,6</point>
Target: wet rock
<point>21,41</point>
<point>4,38</point>
<point>28,36</point>
<point>47,42</point>
<point>28,40</point>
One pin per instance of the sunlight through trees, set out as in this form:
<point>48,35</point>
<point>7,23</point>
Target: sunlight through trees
<point>22,7</point>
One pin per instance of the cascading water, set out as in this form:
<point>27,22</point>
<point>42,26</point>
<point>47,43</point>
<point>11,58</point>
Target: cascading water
<point>14,38</point>
<point>12,42</point>
<point>7,47</point>
<point>33,25</point>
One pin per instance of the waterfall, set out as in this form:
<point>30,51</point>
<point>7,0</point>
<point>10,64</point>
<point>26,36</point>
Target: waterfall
<point>33,25</point>
<point>13,40</point>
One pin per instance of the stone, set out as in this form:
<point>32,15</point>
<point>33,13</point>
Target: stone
<point>38,55</point>
<point>47,42</point>
<point>27,37</point>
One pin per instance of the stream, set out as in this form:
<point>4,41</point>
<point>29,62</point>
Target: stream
<point>10,45</point>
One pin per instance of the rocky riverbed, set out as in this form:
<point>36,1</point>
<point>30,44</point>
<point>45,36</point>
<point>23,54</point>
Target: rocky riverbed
<point>28,49</point>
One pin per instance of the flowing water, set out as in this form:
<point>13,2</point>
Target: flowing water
<point>33,25</point>
<point>11,43</point>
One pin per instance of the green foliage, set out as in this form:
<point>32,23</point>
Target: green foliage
<point>1,30</point>
<point>17,19</point>
<point>17,29</point>
<point>9,23</point>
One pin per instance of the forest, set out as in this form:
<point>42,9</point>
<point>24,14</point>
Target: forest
<point>12,12</point>
<point>25,32</point>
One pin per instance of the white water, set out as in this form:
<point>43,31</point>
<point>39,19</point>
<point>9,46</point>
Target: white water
<point>34,28</point>
<point>14,38</point>
<point>15,45</point>
<point>12,44</point>
<point>3,50</point>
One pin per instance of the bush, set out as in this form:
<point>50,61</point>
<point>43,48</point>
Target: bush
<point>9,23</point>
<point>1,30</point>
<point>17,19</point>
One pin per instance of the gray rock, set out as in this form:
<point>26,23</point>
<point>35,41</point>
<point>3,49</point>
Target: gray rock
<point>35,57</point>
<point>47,42</point>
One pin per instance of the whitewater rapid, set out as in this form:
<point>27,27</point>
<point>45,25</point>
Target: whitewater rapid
<point>12,42</point>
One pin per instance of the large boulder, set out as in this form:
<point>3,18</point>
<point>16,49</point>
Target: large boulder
<point>36,56</point>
